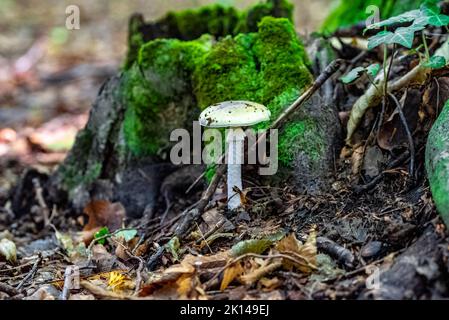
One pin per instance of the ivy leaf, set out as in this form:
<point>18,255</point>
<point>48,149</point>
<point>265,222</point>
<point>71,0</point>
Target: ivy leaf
<point>352,75</point>
<point>405,17</point>
<point>380,38</point>
<point>430,14</point>
<point>126,234</point>
<point>438,20</point>
<point>356,73</point>
<point>402,36</point>
<point>436,62</point>
<point>373,70</point>
<point>100,233</point>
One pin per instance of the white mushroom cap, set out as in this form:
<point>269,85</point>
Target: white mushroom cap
<point>234,114</point>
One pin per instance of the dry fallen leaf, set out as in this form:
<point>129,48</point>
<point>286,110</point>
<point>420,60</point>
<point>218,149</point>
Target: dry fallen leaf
<point>305,254</point>
<point>230,274</point>
<point>270,284</point>
<point>185,286</point>
<point>166,282</point>
<point>102,213</point>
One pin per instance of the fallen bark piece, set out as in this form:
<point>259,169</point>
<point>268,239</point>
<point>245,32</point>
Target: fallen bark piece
<point>437,163</point>
<point>415,274</point>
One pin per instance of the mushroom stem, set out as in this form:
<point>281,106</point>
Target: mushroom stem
<point>235,140</point>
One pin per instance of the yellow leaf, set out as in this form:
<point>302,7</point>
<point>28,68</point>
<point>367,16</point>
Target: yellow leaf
<point>185,286</point>
<point>230,274</point>
<point>117,281</point>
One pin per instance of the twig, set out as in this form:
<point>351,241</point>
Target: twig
<point>361,269</point>
<point>210,282</point>
<point>322,78</point>
<point>151,262</point>
<point>98,291</point>
<point>259,273</point>
<point>8,289</point>
<point>203,237</point>
<point>378,178</point>
<point>32,272</point>
<point>201,176</point>
<point>409,135</point>
<point>214,229</point>
<point>68,281</point>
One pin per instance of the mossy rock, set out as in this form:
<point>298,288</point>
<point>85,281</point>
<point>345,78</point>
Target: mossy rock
<point>217,20</point>
<point>351,12</point>
<point>437,163</point>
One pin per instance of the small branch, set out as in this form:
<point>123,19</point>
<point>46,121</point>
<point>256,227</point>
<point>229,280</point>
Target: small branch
<point>8,289</point>
<point>409,135</point>
<point>68,281</point>
<point>210,282</point>
<point>100,292</point>
<point>32,272</point>
<point>259,273</point>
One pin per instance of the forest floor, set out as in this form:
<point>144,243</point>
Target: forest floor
<point>347,244</point>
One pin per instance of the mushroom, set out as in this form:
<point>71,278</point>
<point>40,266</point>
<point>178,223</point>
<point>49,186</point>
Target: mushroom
<point>234,115</point>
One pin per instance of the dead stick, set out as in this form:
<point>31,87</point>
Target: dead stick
<point>32,272</point>
<point>8,289</point>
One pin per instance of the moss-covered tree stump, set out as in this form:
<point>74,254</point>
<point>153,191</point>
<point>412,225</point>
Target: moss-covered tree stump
<point>122,154</point>
<point>437,163</point>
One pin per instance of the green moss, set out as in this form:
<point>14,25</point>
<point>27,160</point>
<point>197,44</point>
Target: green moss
<point>157,91</point>
<point>303,135</point>
<point>268,67</point>
<point>79,172</point>
<point>252,17</point>
<point>437,163</point>
<point>173,79</point>
<point>135,39</point>
<point>350,12</point>
<point>216,20</point>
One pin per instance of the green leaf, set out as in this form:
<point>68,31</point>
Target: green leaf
<point>256,246</point>
<point>173,247</point>
<point>380,38</point>
<point>430,14</point>
<point>126,234</point>
<point>101,233</point>
<point>373,70</point>
<point>352,75</point>
<point>402,36</point>
<point>408,16</point>
<point>436,62</point>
